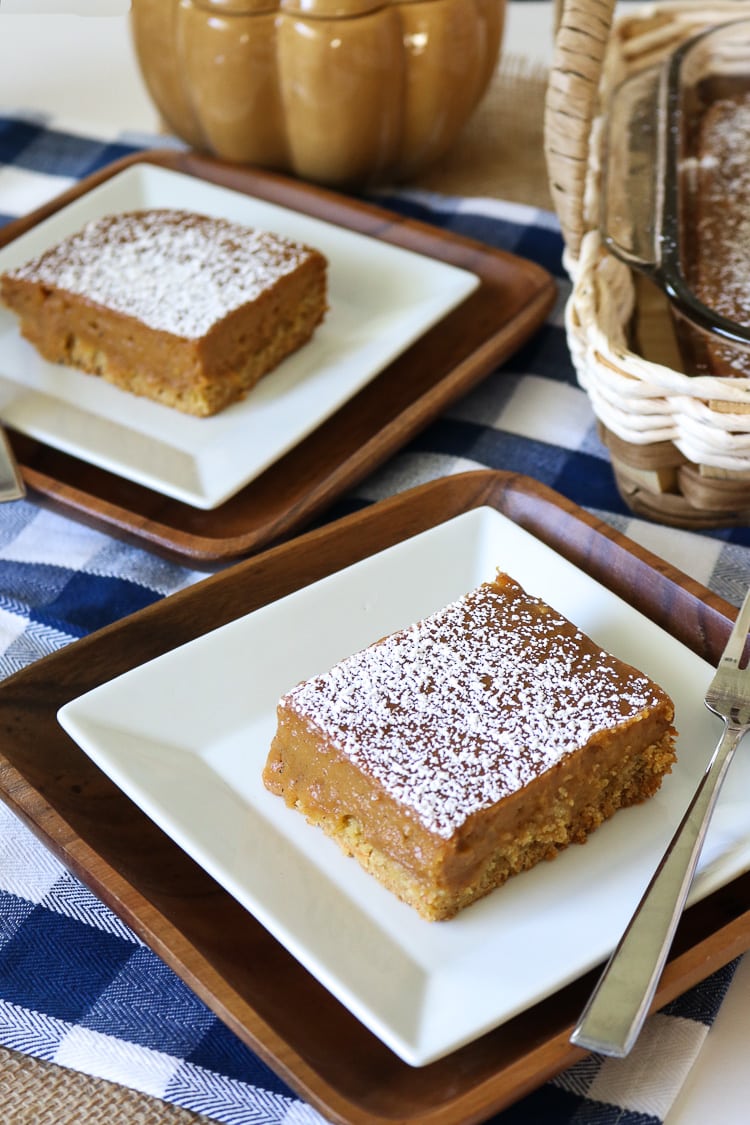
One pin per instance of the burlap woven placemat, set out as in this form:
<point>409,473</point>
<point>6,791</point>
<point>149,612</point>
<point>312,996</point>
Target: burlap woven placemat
<point>499,155</point>
<point>40,1093</point>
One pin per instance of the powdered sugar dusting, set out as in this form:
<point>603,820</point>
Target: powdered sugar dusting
<point>175,271</point>
<point>469,705</point>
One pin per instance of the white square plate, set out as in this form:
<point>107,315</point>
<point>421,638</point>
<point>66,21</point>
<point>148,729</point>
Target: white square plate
<point>186,737</point>
<point>382,298</point>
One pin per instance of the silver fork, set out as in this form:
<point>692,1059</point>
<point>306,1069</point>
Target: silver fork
<point>612,1019</point>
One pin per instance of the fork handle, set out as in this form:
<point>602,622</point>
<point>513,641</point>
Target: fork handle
<point>612,1019</point>
<point>12,486</point>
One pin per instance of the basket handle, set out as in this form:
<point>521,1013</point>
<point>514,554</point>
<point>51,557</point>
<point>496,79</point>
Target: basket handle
<point>580,42</point>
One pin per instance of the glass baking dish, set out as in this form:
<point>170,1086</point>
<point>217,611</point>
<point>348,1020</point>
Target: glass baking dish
<point>677,210</point>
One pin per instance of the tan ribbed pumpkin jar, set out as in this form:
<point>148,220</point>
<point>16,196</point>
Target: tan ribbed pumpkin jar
<point>340,92</point>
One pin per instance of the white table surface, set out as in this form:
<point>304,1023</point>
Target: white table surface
<point>82,67</point>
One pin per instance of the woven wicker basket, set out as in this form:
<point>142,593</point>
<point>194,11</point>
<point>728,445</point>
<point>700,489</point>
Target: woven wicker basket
<point>679,444</point>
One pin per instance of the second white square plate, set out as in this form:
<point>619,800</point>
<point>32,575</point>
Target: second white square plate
<point>186,737</point>
<point>382,298</point>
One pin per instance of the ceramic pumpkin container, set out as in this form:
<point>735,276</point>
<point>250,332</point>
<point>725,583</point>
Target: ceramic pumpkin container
<point>340,92</point>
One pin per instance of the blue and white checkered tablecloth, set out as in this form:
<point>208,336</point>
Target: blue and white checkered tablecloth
<point>128,1018</point>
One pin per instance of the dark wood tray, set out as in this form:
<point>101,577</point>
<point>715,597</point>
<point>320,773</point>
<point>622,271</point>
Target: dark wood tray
<point>219,949</point>
<point>509,305</point>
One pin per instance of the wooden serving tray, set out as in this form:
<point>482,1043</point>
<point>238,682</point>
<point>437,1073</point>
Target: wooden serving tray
<point>511,302</point>
<point>218,948</point>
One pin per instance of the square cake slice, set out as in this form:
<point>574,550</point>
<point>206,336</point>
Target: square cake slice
<point>468,747</point>
<point>185,309</point>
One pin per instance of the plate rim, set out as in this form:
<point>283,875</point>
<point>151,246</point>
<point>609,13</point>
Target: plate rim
<point>712,932</point>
